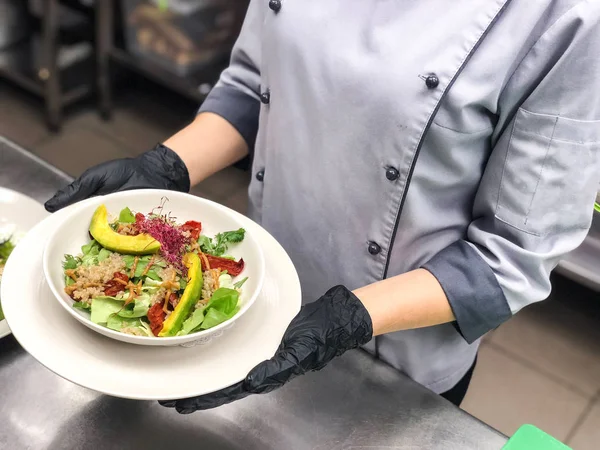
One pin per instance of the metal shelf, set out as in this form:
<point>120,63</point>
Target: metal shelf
<point>47,64</point>
<point>583,264</point>
<point>23,65</point>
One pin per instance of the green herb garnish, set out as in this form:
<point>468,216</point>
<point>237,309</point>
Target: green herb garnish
<point>220,243</point>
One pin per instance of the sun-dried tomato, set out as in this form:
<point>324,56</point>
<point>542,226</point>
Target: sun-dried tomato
<point>121,276</point>
<point>195,228</point>
<point>232,267</point>
<point>139,221</point>
<point>156,316</point>
<point>116,285</point>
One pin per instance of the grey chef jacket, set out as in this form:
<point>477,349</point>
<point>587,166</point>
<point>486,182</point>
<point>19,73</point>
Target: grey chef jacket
<point>462,137</point>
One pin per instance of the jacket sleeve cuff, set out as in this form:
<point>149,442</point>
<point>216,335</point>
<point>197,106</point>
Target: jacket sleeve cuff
<point>239,109</point>
<point>472,289</point>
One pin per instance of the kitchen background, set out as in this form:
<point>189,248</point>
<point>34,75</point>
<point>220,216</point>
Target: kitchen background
<point>67,66</point>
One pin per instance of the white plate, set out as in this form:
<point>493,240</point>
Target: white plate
<point>91,360</point>
<point>24,212</point>
<point>73,232</point>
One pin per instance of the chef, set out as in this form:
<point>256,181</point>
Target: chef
<point>425,165</point>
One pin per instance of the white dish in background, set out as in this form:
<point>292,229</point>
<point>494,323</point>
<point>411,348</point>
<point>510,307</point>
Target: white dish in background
<point>89,359</point>
<point>24,213</point>
<point>73,232</point>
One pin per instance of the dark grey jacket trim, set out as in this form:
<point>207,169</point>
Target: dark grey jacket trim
<point>472,289</point>
<point>239,109</point>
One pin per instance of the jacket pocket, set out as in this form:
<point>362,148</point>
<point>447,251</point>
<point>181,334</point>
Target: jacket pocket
<point>550,173</point>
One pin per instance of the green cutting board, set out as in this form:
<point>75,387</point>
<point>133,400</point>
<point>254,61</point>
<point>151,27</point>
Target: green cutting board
<point>529,437</point>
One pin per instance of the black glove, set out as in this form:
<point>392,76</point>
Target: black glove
<point>322,330</point>
<point>160,168</point>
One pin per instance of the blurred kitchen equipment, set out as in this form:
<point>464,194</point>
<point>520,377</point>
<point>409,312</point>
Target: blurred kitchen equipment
<point>50,54</point>
<point>183,36</point>
<point>14,22</point>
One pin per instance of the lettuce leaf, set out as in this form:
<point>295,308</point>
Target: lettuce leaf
<point>215,317</point>
<point>126,216</point>
<point>103,307</point>
<point>151,283</point>
<point>1,313</point>
<point>118,323</point>
<point>81,305</point>
<point>221,307</point>
<point>92,248</point>
<point>103,254</point>
<point>153,275</point>
<point>192,323</point>
<point>225,281</point>
<point>223,300</point>
<point>145,327</point>
<point>183,282</point>
<point>129,261</point>
<point>90,253</point>
<point>138,308</point>
<point>151,286</point>
<point>141,266</point>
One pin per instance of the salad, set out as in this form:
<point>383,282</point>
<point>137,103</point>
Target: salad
<point>148,275</point>
<point>8,240</point>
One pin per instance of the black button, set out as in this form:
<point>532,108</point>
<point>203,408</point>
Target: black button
<point>432,81</point>
<point>392,174</point>
<point>260,175</point>
<point>275,5</point>
<point>265,97</point>
<point>374,248</point>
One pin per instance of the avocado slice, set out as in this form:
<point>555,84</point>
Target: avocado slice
<point>190,296</point>
<point>142,244</point>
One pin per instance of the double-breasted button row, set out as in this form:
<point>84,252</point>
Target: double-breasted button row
<point>431,80</point>
<point>275,5</point>
<point>265,97</point>
<point>374,248</point>
<point>392,174</point>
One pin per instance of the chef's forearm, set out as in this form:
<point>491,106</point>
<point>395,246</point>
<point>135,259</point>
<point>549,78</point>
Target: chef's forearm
<point>208,145</point>
<point>411,300</point>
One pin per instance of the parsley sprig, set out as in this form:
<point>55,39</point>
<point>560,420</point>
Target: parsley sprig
<point>218,245</point>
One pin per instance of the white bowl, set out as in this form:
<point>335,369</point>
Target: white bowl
<point>73,233</point>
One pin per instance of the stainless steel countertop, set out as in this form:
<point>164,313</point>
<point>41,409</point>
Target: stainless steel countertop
<point>355,403</point>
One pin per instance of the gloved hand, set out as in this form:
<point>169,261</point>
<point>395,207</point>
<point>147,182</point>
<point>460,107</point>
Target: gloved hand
<point>322,330</point>
<point>160,168</point>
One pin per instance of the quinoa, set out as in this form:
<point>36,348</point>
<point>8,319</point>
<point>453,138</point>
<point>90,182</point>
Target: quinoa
<point>90,280</point>
<point>168,273</point>
<point>158,296</point>
<point>127,229</point>
<point>208,287</point>
<point>132,330</point>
